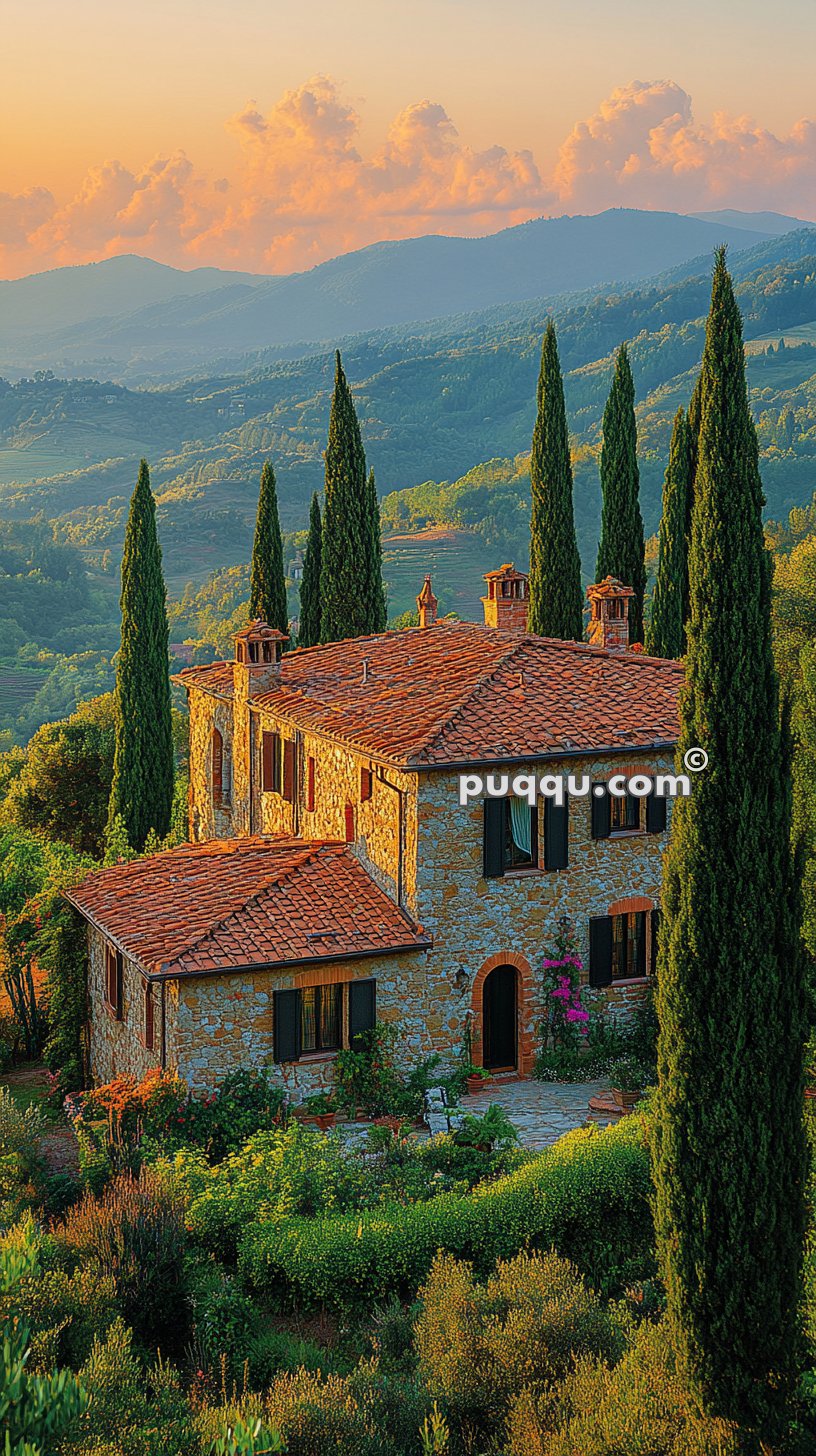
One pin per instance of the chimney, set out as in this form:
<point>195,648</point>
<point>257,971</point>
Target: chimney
<point>258,650</point>
<point>506,603</point>
<point>609,614</point>
<point>427,605</point>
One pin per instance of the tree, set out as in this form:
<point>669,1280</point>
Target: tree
<point>346,558</point>
<point>142,789</point>
<point>64,786</point>
<point>622,549</point>
<point>694,419</point>
<point>309,629</point>
<point>556,599</point>
<point>267,589</point>
<point>666,635</point>
<point>378,614</point>
<point>730,1156</point>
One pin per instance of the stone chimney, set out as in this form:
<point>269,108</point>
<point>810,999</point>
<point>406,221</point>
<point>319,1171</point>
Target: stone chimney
<point>507,600</point>
<point>427,605</point>
<point>256,666</point>
<point>609,614</point>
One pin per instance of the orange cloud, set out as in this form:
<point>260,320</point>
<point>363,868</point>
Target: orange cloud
<point>303,190</point>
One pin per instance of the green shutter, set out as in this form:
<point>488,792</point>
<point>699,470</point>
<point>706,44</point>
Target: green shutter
<point>655,814</point>
<point>600,950</point>
<point>556,835</point>
<point>286,1012</point>
<point>601,820</point>
<point>494,812</point>
<point>362,1008</point>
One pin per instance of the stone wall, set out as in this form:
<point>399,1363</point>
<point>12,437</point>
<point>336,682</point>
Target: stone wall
<point>207,819</point>
<point>117,1048</point>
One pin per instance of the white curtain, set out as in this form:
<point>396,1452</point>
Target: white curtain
<point>520,824</point>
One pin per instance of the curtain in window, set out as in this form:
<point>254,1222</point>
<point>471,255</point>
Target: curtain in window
<point>521,824</point>
<point>308,1020</point>
<point>330,1016</point>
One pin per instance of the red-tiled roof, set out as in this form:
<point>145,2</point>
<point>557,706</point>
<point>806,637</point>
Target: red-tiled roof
<point>242,902</point>
<point>459,692</point>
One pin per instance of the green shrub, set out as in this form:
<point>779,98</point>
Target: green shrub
<point>372,1075</point>
<point>362,1414</point>
<point>135,1235</point>
<point>588,1196</point>
<point>20,1165</point>
<point>133,1411</point>
<point>639,1407</point>
<point>480,1345</point>
<point>225,1320</point>
<point>272,1351</point>
<point>62,1311</point>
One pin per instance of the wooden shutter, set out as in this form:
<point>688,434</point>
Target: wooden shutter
<point>310,785</point>
<point>556,835</point>
<point>217,766</point>
<point>148,1016</point>
<point>494,812</point>
<point>289,770</point>
<point>118,996</point>
<point>362,1008</point>
<point>600,814</point>
<point>349,823</point>
<point>655,814</point>
<point>268,746</point>
<point>600,950</point>
<point>366,784</point>
<point>286,1011</point>
<point>655,928</point>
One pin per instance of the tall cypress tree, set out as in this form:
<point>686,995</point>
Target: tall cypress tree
<point>267,591</point>
<point>694,419</point>
<point>730,1155</point>
<point>346,564</point>
<point>309,629</point>
<point>556,600</point>
<point>666,635</point>
<point>621,552</point>
<point>376,589</point>
<point>142,789</point>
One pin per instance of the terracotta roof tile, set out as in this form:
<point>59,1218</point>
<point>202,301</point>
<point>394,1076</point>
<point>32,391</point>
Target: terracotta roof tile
<point>460,692</point>
<point>239,902</point>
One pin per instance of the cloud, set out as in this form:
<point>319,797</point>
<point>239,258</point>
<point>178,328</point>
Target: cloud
<point>642,148</point>
<point>303,189</point>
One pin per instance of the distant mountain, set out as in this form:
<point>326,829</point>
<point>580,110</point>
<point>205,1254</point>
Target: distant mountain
<point>131,319</point>
<point>774,224</point>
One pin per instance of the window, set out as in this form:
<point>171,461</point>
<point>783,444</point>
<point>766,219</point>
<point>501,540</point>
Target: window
<point>510,836</point>
<point>319,1019</point>
<point>271,763</point>
<point>310,1021</point>
<point>617,947</point>
<point>366,784</point>
<point>221,770</point>
<point>624,814</point>
<point>148,1027</point>
<point>310,785</point>
<point>349,823</point>
<point>113,981</point>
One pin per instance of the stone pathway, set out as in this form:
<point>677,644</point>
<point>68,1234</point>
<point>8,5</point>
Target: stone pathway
<point>541,1111</point>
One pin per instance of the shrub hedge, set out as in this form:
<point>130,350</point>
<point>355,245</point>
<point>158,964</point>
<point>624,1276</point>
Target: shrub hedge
<point>588,1197</point>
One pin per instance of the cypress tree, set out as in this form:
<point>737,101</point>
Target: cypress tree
<point>267,591</point>
<point>621,552</point>
<point>556,600</point>
<point>376,589</point>
<point>142,789</point>
<point>666,634</point>
<point>695,406</point>
<point>730,1155</point>
<point>346,563</point>
<point>309,629</point>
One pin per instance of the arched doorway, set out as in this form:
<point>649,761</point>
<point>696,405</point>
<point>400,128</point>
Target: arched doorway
<point>500,1019</point>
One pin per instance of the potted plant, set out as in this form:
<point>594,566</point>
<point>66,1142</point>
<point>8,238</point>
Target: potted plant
<point>476,1078</point>
<point>320,1110</point>
<point>628,1080</point>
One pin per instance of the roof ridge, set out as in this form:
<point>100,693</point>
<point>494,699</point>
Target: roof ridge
<point>311,850</point>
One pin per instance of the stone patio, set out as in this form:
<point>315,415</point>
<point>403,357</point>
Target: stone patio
<point>541,1111</point>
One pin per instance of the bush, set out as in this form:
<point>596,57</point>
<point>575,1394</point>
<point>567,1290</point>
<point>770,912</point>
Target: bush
<point>479,1346</point>
<point>362,1414</point>
<point>135,1235</point>
<point>132,1411</point>
<point>637,1408</point>
<point>20,1166</point>
<point>62,1311</point>
<point>588,1196</point>
<point>372,1076</point>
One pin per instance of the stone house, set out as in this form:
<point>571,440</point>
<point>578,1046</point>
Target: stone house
<point>333,876</point>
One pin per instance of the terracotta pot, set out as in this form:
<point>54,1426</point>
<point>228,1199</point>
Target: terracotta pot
<point>325,1120</point>
<point>625,1100</point>
<point>475,1084</point>
<point>810,1093</point>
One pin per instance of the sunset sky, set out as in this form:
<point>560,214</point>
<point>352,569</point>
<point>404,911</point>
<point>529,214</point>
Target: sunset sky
<point>269,135</point>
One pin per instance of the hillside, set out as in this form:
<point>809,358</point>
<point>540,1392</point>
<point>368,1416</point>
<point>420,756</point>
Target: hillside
<point>128,318</point>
